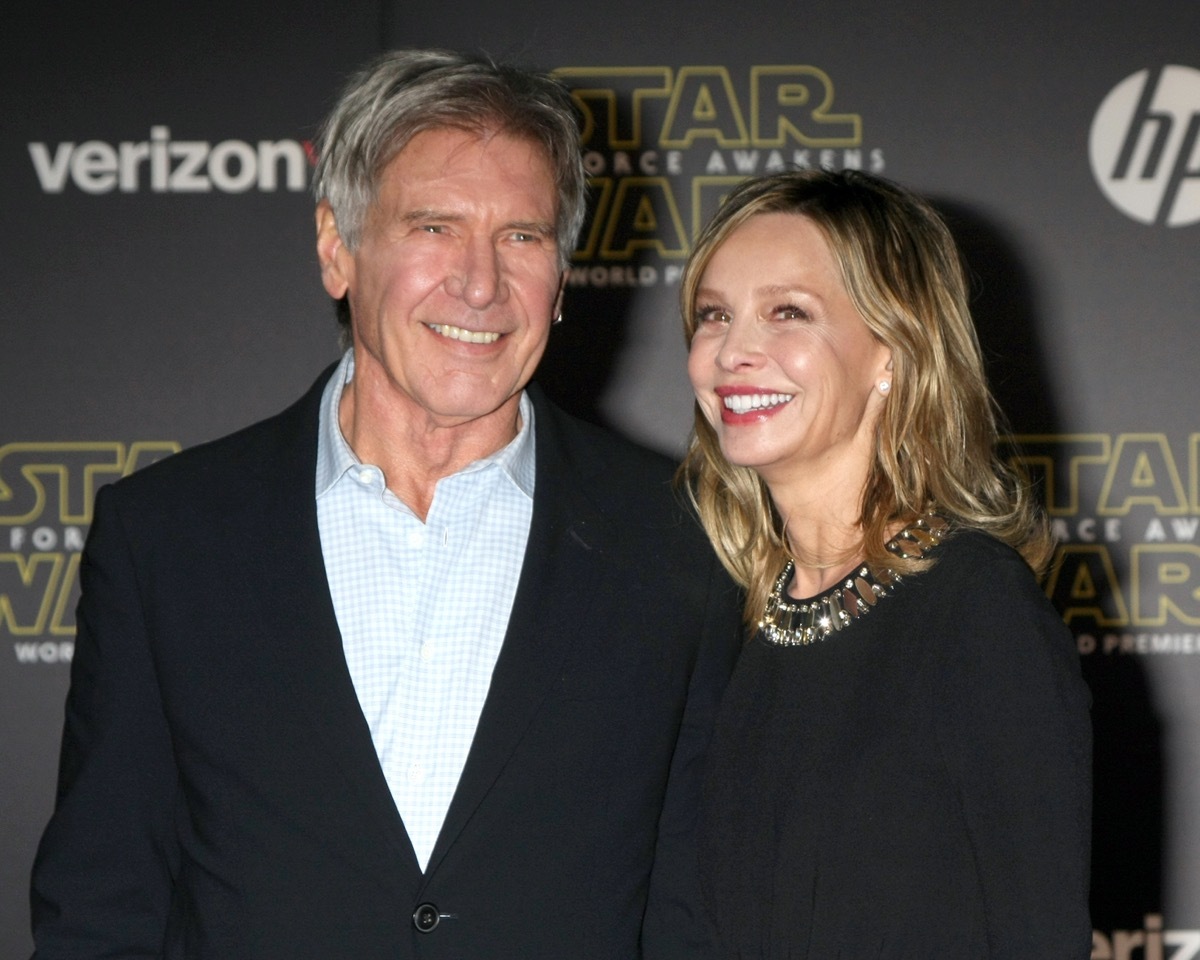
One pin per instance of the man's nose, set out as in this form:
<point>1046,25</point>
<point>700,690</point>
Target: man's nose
<point>479,277</point>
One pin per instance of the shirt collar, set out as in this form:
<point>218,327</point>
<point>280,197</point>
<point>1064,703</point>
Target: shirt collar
<point>516,460</point>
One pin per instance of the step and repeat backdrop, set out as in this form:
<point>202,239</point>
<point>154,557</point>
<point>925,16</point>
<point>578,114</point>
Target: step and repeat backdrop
<point>160,289</point>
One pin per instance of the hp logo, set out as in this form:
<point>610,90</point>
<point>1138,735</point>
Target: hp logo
<point>1145,146</point>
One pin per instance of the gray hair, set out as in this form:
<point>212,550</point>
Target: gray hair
<point>406,92</point>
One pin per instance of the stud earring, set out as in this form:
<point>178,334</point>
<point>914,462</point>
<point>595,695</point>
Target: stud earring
<point>884,386</point>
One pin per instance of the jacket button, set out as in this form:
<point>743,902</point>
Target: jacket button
<point>426,918</point>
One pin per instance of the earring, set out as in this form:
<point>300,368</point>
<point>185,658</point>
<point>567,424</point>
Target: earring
<point>884,386</point>
<point>557,320</point>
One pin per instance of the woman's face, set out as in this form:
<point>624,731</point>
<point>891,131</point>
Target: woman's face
<point>783,365</point>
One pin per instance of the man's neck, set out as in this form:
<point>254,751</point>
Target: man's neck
<point>414,448</point>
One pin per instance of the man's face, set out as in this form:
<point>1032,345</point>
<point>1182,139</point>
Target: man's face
<point>456,280</point>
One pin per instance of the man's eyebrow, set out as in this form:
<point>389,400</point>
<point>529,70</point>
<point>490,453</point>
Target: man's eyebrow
<point>540,227</point>
<point>423,214</point>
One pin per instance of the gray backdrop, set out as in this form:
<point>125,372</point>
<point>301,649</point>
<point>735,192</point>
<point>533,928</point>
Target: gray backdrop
<point>161,289</point>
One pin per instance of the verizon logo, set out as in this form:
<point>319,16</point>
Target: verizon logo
<point>163,165</point>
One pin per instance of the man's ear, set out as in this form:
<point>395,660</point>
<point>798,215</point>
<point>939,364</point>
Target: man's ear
<point>562,290</point>
<point>337,263</point>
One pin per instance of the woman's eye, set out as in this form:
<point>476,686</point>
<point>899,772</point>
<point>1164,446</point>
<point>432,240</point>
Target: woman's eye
<point>711,315</point>
<point>791,313</point>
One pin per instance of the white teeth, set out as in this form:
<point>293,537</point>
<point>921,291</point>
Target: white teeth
<point>467,336</point>
<point>745,402</point>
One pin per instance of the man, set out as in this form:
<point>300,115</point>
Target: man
<point>421,667</point>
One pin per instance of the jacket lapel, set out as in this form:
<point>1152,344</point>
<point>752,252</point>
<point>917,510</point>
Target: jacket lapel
<point>565,535</point>
<point>297,613</point>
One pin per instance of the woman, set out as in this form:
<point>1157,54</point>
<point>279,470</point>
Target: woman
<point>901,767</point>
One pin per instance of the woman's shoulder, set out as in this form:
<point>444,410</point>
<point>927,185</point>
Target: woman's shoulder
<point>972,561</point>
<point>970,542</point>
<point>985,602</point>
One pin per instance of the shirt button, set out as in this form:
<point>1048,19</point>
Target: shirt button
<point>365,477</point>
<point>426,918</point>
<point>416,773</point>
<point>427,651</point>
<point>416,538</point>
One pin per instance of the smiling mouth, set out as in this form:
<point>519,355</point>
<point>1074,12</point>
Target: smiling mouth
<point>749,402</point>
<point>465,336</point>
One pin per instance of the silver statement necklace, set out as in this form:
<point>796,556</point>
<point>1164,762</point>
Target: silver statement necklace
<point>798,624</point>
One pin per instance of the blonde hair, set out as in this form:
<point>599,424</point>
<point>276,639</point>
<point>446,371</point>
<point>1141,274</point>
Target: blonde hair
<point>936,438</point>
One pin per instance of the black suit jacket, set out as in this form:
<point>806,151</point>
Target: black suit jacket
<point>219,792</point>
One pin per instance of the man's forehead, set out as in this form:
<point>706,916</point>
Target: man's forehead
<point>454,137</point>
<point>446,152</point>
<point>439,167</point>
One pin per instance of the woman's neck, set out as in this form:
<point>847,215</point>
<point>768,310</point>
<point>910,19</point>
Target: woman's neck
<point>824,539</point>
<point>820,504</point>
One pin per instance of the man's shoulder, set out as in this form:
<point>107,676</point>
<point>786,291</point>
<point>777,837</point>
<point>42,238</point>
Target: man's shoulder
<point>629,484</point>
<point>247,455</point>
<point>589,443</point>
<point>633,490</point>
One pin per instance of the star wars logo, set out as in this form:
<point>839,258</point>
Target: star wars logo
<point>1126,574</point>
<point>663,146</point>
<point>46,496</point>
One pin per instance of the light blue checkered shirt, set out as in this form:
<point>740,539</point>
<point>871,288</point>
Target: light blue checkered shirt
<point>422,607</point>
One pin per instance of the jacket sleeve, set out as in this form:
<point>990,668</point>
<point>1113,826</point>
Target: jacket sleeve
<point>102,877</point>
<point>1015,733</point>
<point>676,924</point>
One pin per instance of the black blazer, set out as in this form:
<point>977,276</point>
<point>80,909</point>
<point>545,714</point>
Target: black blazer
<point>219,793</point>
